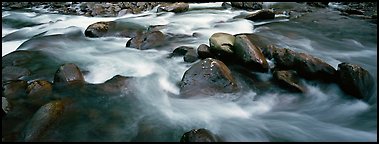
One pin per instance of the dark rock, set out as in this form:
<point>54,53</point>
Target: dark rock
<point>355,80</point>
<point>181,51</point>
<point>191,56</point>
<point>226,5</point>
<point>305,65</point>
<point>39,92</point>
<point>250,54</point>
<point>68,75</point>
<point>263,43</point>
<point>204,51</point>
<point>247,5</point>
<point>207,77</point>
<point>174,7</point>
<point>288,80</point>
<point>221,45</point>
<point>261,15</point>
<point>42,121</point>
<point>115,85</point>
<point>14,73</point>
<point>148,40</point>
<point>114,28</point>
<point>313,68</point>
<point>199,135</point>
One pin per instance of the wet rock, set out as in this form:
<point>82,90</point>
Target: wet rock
<point>148,40</point>
<point>314,68</point>
<point>115,85</point>
<point>305,65</point>
<point>247,5</point>
<point>191,56</point>
<point>198,135</point>
<point>288,80</point>
<point>42,121</point>
<point>250,55</point>
<point>226,5</point>
<point>204,51</point>
<point>68,75</point>
<point>39,92</point>
<point>181,51</point>
<point>261,15</point>
<point>207,77</point>
<point>221,45</point>
<point>355,80</point>
<point>177,7</point>
<point>114,28</point>
<point>14,73</point>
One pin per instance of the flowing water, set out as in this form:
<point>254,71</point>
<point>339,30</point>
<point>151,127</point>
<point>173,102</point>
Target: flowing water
<point>324,113</point>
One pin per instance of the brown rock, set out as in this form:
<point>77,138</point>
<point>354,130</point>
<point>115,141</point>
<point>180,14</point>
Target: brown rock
<point>288,80</point>
<point>199,135</point>
<point>39,92</point>
<point>68,75</point>
<point>148,40</point>
<point>204,52</point>
<point>261,15</point>
<point>250,55</point>
<point>174,7</point>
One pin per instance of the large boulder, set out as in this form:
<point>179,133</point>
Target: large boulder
<point>147,40</point>
<point>261,15</point>
<point>199,135</point>
<point>250,54</point>
<point>207,77</point>
<point>177,7</point>
<point>68,75</point>
<point>114,28</point>
<point>247,5</point>
<point>288,80</point>
<point>305,65</point>
<point>355,80</point>
<point>221,45</point>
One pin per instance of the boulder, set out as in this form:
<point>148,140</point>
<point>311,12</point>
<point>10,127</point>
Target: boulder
<point>181,51</point>
<point>114,28</point>
<point>199,135</point>
<point>148,40</point>
<point>250,55</point>
<point>204,51</point>
<point>14,91</point>
<point>221,45</point>
<point>305,65</point>
<point>207,77</point>
<point>288,80</point>
<point>68,75</point>
<point>261,15</point>
<point>247,5</point>
<point>355,80</point>
<point>177,7</point>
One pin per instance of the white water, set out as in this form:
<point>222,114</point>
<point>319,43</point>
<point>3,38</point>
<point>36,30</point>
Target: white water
<point>324,113</point>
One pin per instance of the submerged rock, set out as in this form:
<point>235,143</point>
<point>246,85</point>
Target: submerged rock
<point>43,120</point>
<point>14,91</point>
<point>14,73</point>
<point>148,40</point>
<point>39,92</point>
<point>207,77</point>
<point>199,135</point>
<point>177,7</point>
<point>250,55</point>
<point>288,80</point>
<point>355,80</point>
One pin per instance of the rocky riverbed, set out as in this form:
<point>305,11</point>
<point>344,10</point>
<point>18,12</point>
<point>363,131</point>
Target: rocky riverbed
<point>189,72</point>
